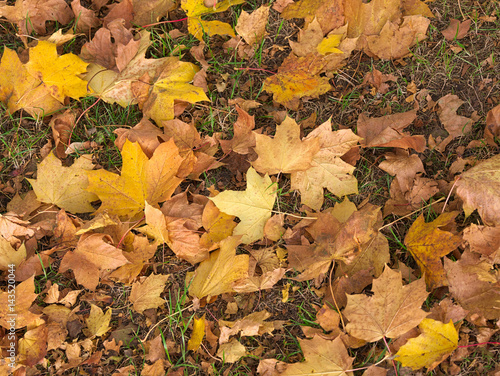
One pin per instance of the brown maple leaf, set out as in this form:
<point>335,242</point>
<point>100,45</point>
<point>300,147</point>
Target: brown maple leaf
<point>390,312</point>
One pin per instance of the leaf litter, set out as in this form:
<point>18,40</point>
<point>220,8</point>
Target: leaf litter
<point>294,209</point>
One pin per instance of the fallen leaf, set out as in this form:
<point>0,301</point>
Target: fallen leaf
<point>195,9</point>
<point>322,357</point>
<point>145,133</point>
<point>492,129</point>
<point>93,254</point>
<point>390,312</point>
<point>65,187</point>
<point>243,139</point>
<point>86,18</point>
<point>141,180</point>
<point>251,325</point>
<point>14,229</point>
<point>25,296</point>
<point>286,152</point>
<point>31,15</point>
<point>327,169</point>
<point>430,348</point>
<point>387,131</point>
<point>215,275</point>
<point>32,348</point>
<point>478,188</point>
<point>404,166</point>
<point>147,12</point>
<point>146,294</point>
<point>60,75</point>
<point>218,226</point>
<point>456,125</point>
<point>298,77</point>
<point>231,351</point>
<point>9,255</point>
<point>198,333</point>
<point>252,206</point>
<point>98,321</point>
<point>62,126</point>
<point>329,14</point>
<point>252,26</point>
<point>474,285</point>
<point>484,240</point>
<point>379,80</point>
<point>456,29</point>
<point>20,90</point>
<point>427,244</point>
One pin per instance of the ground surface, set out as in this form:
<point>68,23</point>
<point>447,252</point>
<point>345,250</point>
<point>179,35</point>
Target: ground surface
<point>467,67</point>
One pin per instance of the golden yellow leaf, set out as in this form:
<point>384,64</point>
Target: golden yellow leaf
<point>198,333</point>
<point>390,312</point>
<point>286,152</point>
<point>98,321</point>
<point>195,9</point>
<point>217,225</point>
<point>252,206</point>
<point>59,74</point>
<point>141,180</point>
<point>146,295</point>
<point>298,77</point>
<point>33,346</point>
<point>231,351</point>
<point>327,169</point>
<point>427,244</point>
<point>430,348</point>
<point>172,85</point>
<point>329,45</point>
<point>20,90</point>
<point>216,275</point>
<point>64,187</point>
<point>9,255</point>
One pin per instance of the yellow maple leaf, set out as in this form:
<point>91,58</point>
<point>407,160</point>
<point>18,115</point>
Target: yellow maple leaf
<point>286,152</point>
<point>141,180</point>
<point>64,186</point>
<point>18,89</point>
<point>25,295</point>
<point>97,322</point>
<point>298,77</point>
<point>195,9</point>
<point>427,244</point>
<point>172,85</point>
<point>59,74</point>
<point>430,348</point>
<point>215,275</point>
<point>252,206</point>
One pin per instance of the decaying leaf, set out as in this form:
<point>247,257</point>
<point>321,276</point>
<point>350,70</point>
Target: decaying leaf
<point>430,348</point>
<point>98,321</point>
<point>390,312</point>
<point>478,188</point>
<point>199,325</point>
<point>25,295</point>
<point>252,206</point>
<point>252,26</point>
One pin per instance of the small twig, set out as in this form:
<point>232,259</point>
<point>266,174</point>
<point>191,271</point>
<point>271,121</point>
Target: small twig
<point>256,69</point>
<point>449,194</point>
<point>292,215</point>
<point>392,360</point>
<point>409,215</point>
<point>165,22</point>
<point>77,120</point>
<point>335,301</point>
<point>126,232</point>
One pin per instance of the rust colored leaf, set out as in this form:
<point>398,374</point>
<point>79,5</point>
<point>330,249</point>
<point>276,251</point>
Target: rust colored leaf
<point>456,29</point>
